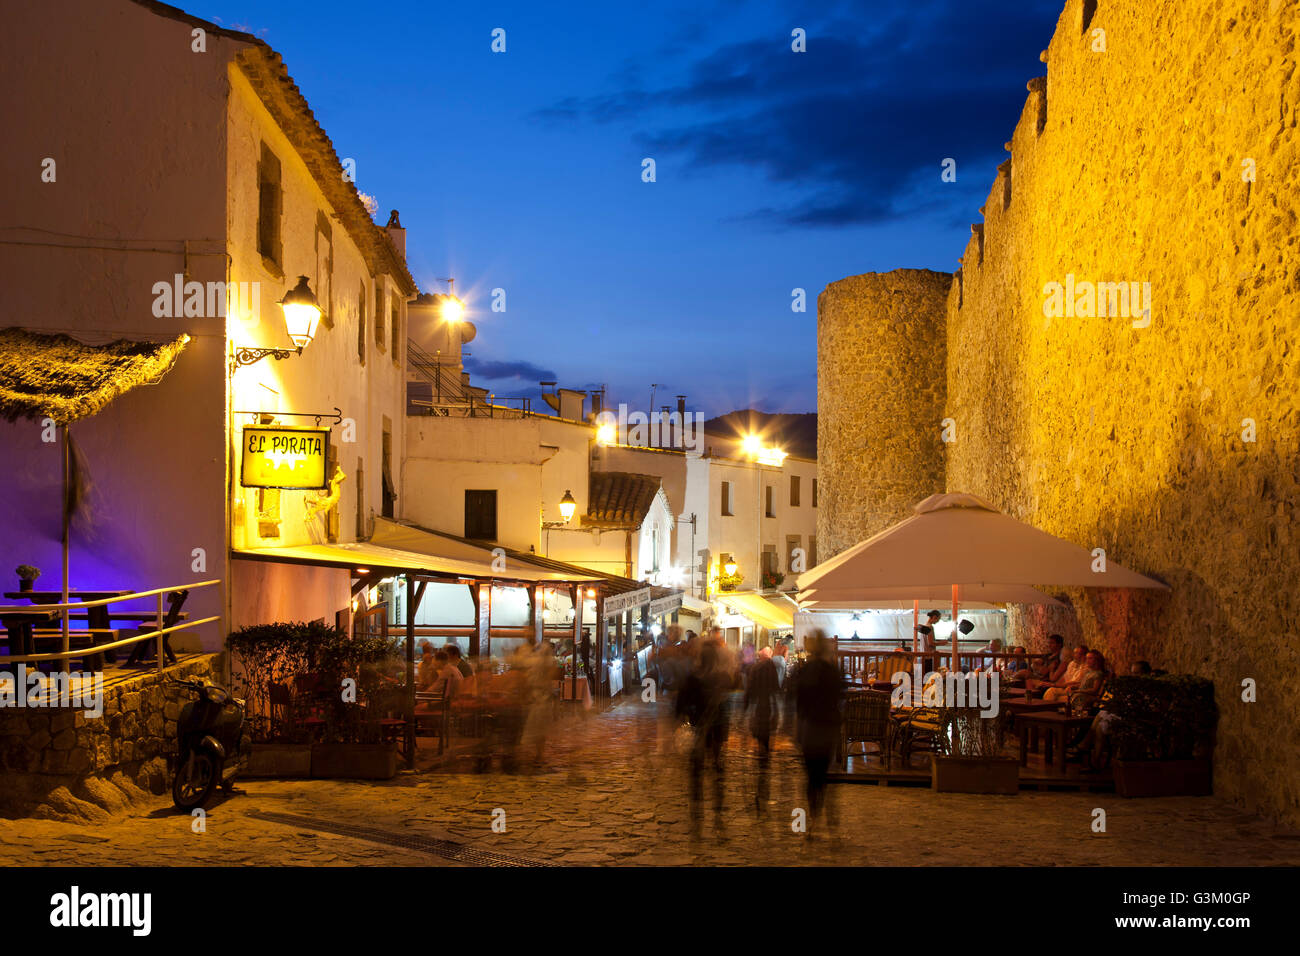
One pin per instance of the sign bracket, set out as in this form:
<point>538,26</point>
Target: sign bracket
<point>337,416</point>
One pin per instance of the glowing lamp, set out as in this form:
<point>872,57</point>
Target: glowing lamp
<point>301,313</point>
<point>752,444</point>
<point>606,434</point>
<point>452,309</point>
<point>730,567</point>
<point>567,506</point>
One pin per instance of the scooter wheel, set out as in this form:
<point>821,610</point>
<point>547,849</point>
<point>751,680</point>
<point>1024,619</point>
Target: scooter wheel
<point>188,794</point>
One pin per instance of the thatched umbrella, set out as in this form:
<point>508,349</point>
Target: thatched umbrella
<point>55,380</point>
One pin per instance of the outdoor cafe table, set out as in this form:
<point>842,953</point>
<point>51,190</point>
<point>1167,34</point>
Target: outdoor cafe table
<point>566,687</point>
<point>1055,727</point>
<point>97,618</point>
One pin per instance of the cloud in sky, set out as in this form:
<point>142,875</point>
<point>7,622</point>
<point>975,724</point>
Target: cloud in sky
<point>854,130</point>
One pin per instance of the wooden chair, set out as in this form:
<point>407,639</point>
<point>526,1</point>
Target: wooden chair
<point>919,729</point>
<point>866,720</point>
<point>175,601</point>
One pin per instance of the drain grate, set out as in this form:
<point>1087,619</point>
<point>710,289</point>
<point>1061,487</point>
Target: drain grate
<point>447,849</point>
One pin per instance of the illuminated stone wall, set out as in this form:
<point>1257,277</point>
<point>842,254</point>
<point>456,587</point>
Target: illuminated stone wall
<point>1135,165</point>
<point>880,399</point>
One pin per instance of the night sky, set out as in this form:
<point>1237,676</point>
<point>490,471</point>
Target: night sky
<point>774,170</point>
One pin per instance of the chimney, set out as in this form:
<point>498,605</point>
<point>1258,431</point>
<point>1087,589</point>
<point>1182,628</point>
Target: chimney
<point>397,234</point>
<point>681,422</point>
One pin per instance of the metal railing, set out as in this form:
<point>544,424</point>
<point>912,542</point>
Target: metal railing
<point>66,608</point>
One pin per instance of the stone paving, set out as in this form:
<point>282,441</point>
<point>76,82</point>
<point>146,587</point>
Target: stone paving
<point>608,795</point>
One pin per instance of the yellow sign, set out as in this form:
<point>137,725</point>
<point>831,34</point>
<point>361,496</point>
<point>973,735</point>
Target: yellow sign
<point>284,457</point>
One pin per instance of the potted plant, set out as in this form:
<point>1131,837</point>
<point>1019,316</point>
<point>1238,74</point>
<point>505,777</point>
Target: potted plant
<point>265,660</point>
<point>975,763</point>
<point>351,673</point>
<point>27,575</point>
<point>1164,735</point>
<point>772,580</point>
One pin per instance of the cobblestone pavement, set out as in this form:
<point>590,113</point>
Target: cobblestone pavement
<point>609,796</point>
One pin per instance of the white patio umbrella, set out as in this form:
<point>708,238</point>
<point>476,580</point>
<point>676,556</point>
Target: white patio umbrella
<point>960,541</point>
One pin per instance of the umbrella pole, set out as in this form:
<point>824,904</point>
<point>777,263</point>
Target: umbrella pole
<point>67,491</point>
<point>918,669</point>
<point>956,594</point>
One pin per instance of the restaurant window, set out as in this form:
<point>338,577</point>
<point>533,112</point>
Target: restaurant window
<point>270,203</point>
<point>379,314</point>
<point>268,512</point>
<point>390,489</point>
<point>794,491</point>
<point>361,325</point>
<point>726,498</point>
<point>395,319</point>
<point>325,269</point>
<point>481,514</point>
<point>814,501</point>
<point>771,506</point>
<point>361,500</point>
<point>332,516</point>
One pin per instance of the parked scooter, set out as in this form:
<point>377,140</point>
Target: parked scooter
<point>208,734</point>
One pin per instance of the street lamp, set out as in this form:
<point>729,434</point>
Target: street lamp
<point>730,567</point>
<point>301,316</point>
<point>567,506</point>
<point>451,308</point>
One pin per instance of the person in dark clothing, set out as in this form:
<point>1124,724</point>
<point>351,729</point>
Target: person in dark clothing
<point>702,701</point>
<point>761,691</point>
<point>819,698</point>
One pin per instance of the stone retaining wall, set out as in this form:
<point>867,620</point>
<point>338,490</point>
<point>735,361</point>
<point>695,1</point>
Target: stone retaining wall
<point>61,763</point>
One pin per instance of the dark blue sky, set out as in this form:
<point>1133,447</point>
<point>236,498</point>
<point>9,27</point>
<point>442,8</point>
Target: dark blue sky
<point>775,170</point>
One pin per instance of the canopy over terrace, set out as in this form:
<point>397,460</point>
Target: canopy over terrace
<point>960,541</point>
<point>56,377</point>
<point>468,564</point>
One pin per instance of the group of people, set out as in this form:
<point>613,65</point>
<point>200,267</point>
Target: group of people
<point>445,672</point>
<point>701,675</point>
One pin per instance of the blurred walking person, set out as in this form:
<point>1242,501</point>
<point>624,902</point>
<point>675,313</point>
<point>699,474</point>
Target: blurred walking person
<point>819,697</point>
<point>761,692</point>
<point>702,702</point>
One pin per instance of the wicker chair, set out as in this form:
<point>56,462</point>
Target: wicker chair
<point>866,720</point>
<point>919,729</point>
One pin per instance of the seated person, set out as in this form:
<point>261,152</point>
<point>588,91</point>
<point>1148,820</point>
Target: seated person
<point>990,663</point>
<point>426,672</point>
<point>1045,673</point>
<point>447,683</point>
<point>1061,689</point>
<point>466,669</point>
<point>1095,742</point>
<point>1090,684</point>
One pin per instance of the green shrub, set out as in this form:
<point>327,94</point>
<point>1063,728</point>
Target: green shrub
<point>1163,718</point>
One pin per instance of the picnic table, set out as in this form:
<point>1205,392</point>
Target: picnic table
<point>97,617</point>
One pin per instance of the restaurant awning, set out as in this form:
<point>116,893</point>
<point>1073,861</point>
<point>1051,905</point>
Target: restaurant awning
<point>774,614</point>
<point>377,557</point>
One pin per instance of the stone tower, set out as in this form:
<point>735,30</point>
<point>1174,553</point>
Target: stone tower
<point>881,388</point>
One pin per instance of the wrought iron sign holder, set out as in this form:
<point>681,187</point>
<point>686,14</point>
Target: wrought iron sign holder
<point>319,416</point>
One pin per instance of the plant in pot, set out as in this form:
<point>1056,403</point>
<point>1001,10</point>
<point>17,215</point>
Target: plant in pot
<point>27,575</point>
<point>1163,736</point>
<point>772,579</point>
<point>729,582</point>
<point>974,763</point>
<point>266,661</point>
<point>353,677</point>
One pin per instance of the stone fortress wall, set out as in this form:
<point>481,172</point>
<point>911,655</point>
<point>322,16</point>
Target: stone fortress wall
<point>881,387</point>
<point>1171,440</point>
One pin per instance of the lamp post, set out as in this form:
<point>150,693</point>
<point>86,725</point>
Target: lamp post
<point>568,505</point>
<point>301,316</point>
